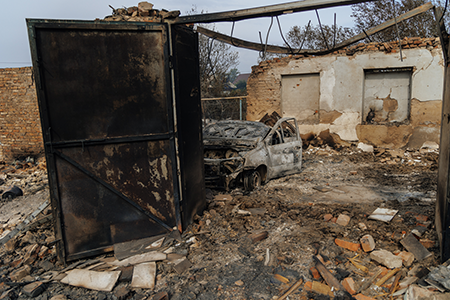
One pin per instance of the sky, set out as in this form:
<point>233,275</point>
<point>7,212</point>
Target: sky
<point>15,50</point>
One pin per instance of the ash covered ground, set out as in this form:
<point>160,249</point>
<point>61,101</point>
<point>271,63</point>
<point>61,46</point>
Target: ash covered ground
<point>291,217</point>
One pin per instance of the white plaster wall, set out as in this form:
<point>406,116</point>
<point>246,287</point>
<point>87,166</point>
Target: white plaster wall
<point>342,82</point>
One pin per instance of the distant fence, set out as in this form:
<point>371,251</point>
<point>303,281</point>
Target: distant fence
<point>225,108</point>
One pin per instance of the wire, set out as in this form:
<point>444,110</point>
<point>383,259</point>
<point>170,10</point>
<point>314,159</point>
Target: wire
<point>304,38</point>
<point>396,26</point>
<point>264,51</point>
<point>231,36</point>
<point>445,9</point>
<point>321,30</point>
<point>282,36</point>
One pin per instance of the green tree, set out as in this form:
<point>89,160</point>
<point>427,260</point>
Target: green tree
<point>216,60</point>
<point>311,37</point>
<point>370,14</point>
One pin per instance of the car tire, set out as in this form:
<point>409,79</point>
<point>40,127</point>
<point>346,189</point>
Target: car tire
<point>252,180</point>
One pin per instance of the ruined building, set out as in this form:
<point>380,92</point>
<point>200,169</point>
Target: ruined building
<point>20,128</point>
<point>366,93</point>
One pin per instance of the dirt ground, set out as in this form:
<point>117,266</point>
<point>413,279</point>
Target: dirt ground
<point>228,264</point>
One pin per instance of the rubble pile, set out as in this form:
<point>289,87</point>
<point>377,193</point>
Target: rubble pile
<point>144,12</point>
<point>349,226</point>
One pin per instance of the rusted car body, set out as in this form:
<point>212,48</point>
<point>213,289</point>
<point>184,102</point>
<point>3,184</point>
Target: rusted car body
<point>250,152</point>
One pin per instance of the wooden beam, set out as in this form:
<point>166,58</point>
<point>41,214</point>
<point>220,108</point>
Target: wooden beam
<point>264,11</point>
<point>284,50</point>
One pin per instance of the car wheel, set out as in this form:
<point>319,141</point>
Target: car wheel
<point>252,180</point>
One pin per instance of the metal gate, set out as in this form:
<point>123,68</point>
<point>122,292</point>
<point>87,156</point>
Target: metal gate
<point>107,96</point>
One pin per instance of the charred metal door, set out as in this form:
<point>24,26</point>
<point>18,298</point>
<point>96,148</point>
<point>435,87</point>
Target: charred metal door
<point>105,93</point>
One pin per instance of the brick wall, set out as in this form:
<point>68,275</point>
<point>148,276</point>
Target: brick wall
<point>20,128</point>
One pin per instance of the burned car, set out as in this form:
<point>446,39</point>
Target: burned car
<point>250,153</point>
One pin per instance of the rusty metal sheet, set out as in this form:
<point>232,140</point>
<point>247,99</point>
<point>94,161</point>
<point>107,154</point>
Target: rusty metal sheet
<point>105,93</point>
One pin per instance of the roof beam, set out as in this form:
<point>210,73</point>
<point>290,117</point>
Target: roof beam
<point>284,50</point>
<point>264,11</point>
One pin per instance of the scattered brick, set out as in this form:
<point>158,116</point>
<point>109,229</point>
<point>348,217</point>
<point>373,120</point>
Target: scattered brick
<point>367,243</point>
<point>363,297</point>
<point>362,226</point>
<point>343,220</point>
<point>427,243</point>
<point>407,258</point>
<point>327,217</point>
<point>314,273</point>
<point>347,245</point>
<point>349,284</point>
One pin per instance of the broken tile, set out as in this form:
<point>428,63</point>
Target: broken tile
<point>367,243</point>
<point>182,265</point>
<point>386,258</point>
<point>144,275</point>
<point>383,214</point>
<point>100,281</point>
<point>34,289</point>
<point>140,258</point>
<point>419,230</point>
<point>415,247</point>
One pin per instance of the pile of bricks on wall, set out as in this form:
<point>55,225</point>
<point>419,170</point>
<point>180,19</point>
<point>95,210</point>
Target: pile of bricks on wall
<point>20,128</point>
<point>387,47</point>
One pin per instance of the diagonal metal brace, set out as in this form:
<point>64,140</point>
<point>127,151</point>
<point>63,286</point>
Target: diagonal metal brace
<point>110,188</point>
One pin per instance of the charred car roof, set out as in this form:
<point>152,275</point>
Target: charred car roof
<point>247,130</point>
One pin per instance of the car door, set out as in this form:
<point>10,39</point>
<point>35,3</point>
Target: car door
<point>284,147</point>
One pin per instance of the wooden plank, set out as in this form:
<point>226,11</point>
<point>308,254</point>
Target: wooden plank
<point>285,50</point>
<point>264,11</point>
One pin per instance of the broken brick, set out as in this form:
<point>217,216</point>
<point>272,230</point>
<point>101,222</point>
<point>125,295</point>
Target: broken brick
<point>327,217</point>
<point>367,243</point>
<point>363,297</point>
<point>407,258</point>
<point>314,273</point>
<point>427,243</point>
<point>308,286</point>
<point>347,245</point>
<point>349,285</point>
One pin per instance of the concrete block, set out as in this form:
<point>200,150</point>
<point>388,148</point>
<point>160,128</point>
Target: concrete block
<point>386,258</point>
